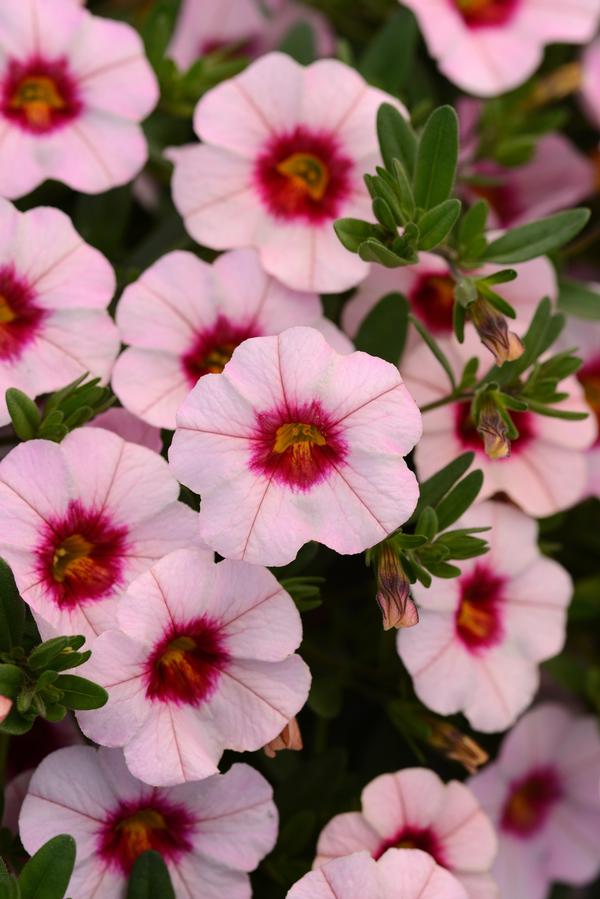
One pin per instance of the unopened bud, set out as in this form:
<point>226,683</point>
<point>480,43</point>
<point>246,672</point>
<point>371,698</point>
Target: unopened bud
<point>6,705</point>
<point>493,332</point>
<point>494,431</point>
<point>289,738</point>
<point>393,594</point>
<point>455,745</point>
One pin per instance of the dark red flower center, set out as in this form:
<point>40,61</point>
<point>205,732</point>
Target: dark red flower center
<point>471,439</point>
<point>39,95</point>
<point>495,187</point>
<point>20,317</point>
<point>81,556</point>
<point>589,376</point>
<point>185,666</point>
<point>432,298</point>
<point>415,838</point>
<point>478,616</point>
<point>530,801</point>
<point>298,447</point>
<point>136,827</point>
<point>212,348</point>
<point>303,175</point>
<point>482,13</point>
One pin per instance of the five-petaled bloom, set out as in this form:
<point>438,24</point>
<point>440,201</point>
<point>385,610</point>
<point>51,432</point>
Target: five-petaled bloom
<point>414,809</point>
<point>295,442</point>
<point>542,794</point>
<point>487,47</point>
<point>54,290</point>
<point>284,152</point>
<point>184,318</point>
<point>398,874</point>
<point>482,635</point>
<point>209,834</point>
<point>204,661</point>
<point>73,90</point>
<point>79,520</point>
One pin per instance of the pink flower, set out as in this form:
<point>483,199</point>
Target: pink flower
<point>547,470</point>
<point>284,153</point>
<point>590,89</point>
<point>6,705</point>
<point>481,635</point>
<point>542,794</point>
<point>73,89</point>
<point>14,794</point>
<point>414,808</point>
<point>487,47</point>
<point>203,661</point>
<point>184,318</point>
<point>54,290</point>
<point>399,874</point>
<point>129,427</point>
<point>79,520</point>
<point>295,442</point>
<point>209,834</point>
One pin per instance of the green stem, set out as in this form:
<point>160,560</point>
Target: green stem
<point>455,397</point>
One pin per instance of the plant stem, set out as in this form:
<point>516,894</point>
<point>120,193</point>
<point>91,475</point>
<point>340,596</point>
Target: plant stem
<point>455,397</point>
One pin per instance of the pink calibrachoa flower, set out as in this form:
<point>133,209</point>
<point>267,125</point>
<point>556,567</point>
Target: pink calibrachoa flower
<point>203,661</point>
<point>284,153</point>
<point>590,82</point>
<point>547,469</point>
<point>585,336</point>
<point>295,442</point>
<point>481,635</point>
<point>399,874</point>
<point>14,794</point>
<point>129,427</point>
<point>209,834</point>
<point>184,318</point>
<point>54,290</point>
<point>413,808</point>
<point>487,47</point>
<point>73,90</point>
<point>542,794</point>
<point>79,520</point>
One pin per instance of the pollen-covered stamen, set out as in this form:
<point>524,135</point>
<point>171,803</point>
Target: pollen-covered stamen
<point>7,314</point>
<point>298,438</point>
<point>134,828</point>
<point>486,12</point>
<point>186,664</point>
<point>410,837</point>
<point>72,558</point>
<point>530,802</point>
<point>38,97</point>
<point>478,620</point>
<point>432,298</point>
<point>39,94</point>
<point>307,173</point>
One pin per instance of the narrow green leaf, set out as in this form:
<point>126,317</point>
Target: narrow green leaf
<point>437,223</point>
<point>437,157</point>
<point>443,569</point>
<point>12,610</point>
<point>46,875</point>
<point>374,251</point>
<point>383,331</point>
<point>427,523</point>
<point>388,60</point>
<point>24,414</point>
<point>552,412</point>
<point>11,680</point>
<point>460,498</point>
<point>408,541</point>
<point>473,226</point>
<point>383,213</point>
<point>300,44</point>
<point>149,878</point>
<point>397,139</point>
<point>9,886</point>
<point>437,486</point>
<point>352,232</point>
<point>578,299</point>
<point>80,693</point>
<point>537,238</point>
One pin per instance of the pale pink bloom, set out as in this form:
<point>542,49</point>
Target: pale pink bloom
<point>80,519</point>
<point>203,661</point>
<point>6,705</point>
<point>210,834</point>
<point>414,808</point>
<point>590,87</point>
<point>284,153</point>
<point>487,47</point>
<point>399,874</point>
<point>14,794</point>
<point>184,318</point>
<point>547,469</point>
<point>54,290</point>
<point>482,635</point>
<point>129,427</point>
<point>429,288</point>
<point>295,442</point>
<point>207,25</point>
<point>73,90</point>
<point>542,795</point>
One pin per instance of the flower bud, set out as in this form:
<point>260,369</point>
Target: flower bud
<point>393,594</point>
<point>6,705</point>
<point>493,332</point>
<point>494,432</point>
<point>455,745</point>
<point>289,738</point>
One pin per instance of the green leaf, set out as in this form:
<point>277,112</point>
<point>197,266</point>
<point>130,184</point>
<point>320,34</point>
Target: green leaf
<point>463,546</point>
<point>383,331</point>
<point>43,654</point>
<point>388,60</point>
<point>443,569</point>
<point>537,238</point>
<point>397,140</point>
<point>149,878</point>
<point>434,347</point>
<point>299,43</point>
<point>471,232</point>
<point>47,874</point>
<point>325,698</point>
<point>427,523</point>
<point>80,693</point>
<point>12,610</point>
<point>578,299</point>
<point>352,232</point>
<point>459,499</point>
<point>437,158</point>
<point>157,30</point>
<point>408,541</point>
<point>24,414</point>
<point>436,224</point>
<point>383,213</point>
<point>437,486</point>
<point>9,886</point>
<point>11,680</point>
<point>374,251</point>
<point>551,412</point>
